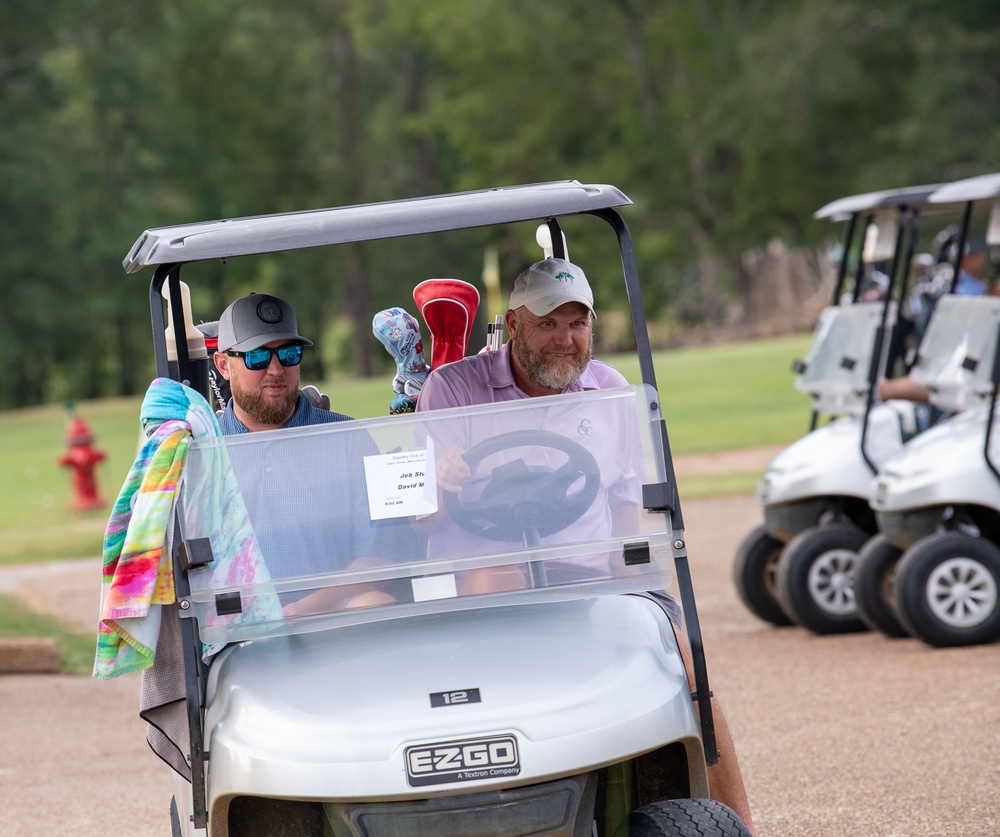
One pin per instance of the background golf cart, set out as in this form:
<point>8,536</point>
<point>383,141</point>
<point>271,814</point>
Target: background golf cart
<point>797,567</point>
<point>934,571</point>
<point>583,764</point>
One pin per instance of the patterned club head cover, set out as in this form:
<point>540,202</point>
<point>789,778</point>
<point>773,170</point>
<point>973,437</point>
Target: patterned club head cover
<point>400,334</point>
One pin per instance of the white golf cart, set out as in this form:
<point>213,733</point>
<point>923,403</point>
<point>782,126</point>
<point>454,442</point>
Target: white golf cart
<point>797,567</point>
<point>937,565</point>
<point>339,679</point>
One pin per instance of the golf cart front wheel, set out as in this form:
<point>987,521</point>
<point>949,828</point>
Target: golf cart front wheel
<point>946,590</point>
<point>873,580</point>
<point>816,578</point>
<point>686,818</point>
<point>754,575</point>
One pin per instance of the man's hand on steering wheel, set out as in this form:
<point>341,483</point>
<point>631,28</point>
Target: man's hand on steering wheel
<point>523,501</point>
<point>453,472</point>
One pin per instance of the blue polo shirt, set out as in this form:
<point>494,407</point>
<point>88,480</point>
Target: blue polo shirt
<point>305,414</point>
<point>300,517</point>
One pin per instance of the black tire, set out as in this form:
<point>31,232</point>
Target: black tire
<point>816,578</point>
<point>873,580</point>
<point>686,818</point>
<point>947,590</point>
<point>754,575</point>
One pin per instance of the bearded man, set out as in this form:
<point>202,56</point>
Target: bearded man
<point>260,349</point>
<point>259,354</point>
<point>550,351</point>
<point>550,321</point>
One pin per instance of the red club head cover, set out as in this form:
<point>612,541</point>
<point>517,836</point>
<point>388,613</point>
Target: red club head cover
<point>449,308</point>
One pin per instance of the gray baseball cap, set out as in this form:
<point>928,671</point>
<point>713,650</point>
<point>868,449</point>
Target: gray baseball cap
<point>256,319</point>
<point>547,284</point>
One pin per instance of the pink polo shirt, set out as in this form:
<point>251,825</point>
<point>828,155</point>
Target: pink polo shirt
<point>606,431</point>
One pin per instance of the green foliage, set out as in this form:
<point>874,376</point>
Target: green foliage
<point>727,123</point>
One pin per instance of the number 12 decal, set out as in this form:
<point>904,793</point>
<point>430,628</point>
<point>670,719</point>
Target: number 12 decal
<point>455,697</point>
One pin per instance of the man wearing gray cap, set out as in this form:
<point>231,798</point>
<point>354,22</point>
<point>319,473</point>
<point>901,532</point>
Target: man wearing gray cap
<point>259,352</point>
<point>550,351</point>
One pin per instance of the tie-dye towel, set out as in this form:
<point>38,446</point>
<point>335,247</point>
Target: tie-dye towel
<point>137,576</point>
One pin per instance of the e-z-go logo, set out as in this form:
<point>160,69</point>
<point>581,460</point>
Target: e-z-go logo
<point>462,761</point>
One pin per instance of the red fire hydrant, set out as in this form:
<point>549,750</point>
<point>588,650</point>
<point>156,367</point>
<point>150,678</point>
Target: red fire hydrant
<point>82,457</point>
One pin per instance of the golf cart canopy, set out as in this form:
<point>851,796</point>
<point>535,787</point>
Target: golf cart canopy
<point>365,222</point>
<point>170,248</point>
<point>983,187</point>
<point>843,208</point>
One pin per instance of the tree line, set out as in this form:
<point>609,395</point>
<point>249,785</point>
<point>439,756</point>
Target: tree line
<point>728,123</point>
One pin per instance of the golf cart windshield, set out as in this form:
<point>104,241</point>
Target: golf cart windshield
<point>836,369</point>
<point>293,530</point>
<point>956,356</point>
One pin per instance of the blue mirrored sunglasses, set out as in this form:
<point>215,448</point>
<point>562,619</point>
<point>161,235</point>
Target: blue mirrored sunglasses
<point>257,359</point>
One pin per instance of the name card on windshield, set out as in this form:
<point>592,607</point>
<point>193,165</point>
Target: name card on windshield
<point>401,484</point>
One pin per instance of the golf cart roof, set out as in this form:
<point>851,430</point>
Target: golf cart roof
<point>843,208</point>
<point>982,187</point>
<point>364,222</point>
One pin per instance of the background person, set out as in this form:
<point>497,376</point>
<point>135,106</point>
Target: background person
<point>972,281</point>
<point>972,267</point>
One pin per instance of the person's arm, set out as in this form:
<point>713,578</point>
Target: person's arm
<point>442,391</point>
<point>903,389</point>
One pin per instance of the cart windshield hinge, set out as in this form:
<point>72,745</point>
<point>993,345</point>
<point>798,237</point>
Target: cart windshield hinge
<point>636,553</point>
<point>227,604</point>
<point>658,497</point>
<point>195,553</point>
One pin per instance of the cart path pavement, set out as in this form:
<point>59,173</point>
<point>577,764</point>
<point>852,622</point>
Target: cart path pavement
<point>854,734</point>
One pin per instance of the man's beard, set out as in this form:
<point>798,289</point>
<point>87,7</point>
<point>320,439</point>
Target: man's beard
<point>264,410</point>
<point>548,372</point>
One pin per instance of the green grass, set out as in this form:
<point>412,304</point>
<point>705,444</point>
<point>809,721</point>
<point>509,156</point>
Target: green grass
<point>76,650</point>
<point>717,398</point>
<point>704,486</point>
<point>729,397</point>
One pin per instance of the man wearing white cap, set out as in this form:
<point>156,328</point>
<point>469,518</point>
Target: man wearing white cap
<point>550,321</point>
<point>550,351</point>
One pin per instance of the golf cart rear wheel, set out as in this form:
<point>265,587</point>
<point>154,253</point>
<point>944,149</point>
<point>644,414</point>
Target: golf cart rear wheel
<point>754,575</point>
<point>686,818</point>
<point>873,579</point>
<point>816,578</point>
<point>946,590</point>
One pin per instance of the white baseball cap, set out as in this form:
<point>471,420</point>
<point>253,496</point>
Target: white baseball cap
<point>547,284</point>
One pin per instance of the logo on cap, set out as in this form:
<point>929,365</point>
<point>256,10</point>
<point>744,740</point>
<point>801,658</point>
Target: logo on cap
<point>269,311</point>
<point>563,276</point>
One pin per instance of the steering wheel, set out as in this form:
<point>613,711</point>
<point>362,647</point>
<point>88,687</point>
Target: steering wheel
<point>526,502</point>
